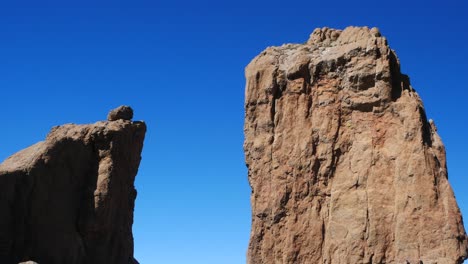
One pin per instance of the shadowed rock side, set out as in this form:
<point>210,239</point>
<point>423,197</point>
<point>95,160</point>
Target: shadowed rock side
<point>70,198</point>
<point>343,164</point>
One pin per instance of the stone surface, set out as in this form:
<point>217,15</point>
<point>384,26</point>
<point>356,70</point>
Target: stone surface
<point>70,198</point>
<point>122,112</point>
<point>343,163</point>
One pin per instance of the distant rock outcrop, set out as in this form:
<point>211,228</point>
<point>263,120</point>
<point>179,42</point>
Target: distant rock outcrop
<point>343,164</point>
<point>70,198</point>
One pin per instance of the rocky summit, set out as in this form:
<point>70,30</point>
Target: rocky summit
<point>70,198</point>
<point>343,163</point>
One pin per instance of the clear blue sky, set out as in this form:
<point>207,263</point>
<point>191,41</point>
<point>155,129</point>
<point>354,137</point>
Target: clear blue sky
<point>180,64</point>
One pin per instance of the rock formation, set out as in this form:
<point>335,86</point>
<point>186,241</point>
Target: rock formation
<point>70,198</point>
<point>344,165</point>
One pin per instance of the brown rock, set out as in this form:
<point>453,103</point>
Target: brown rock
<point>343,164</point>
<point>70,198</point>
<point>122,112</point>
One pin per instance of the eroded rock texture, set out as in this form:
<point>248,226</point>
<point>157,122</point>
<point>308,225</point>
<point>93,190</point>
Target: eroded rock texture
<point>70,198</point>
<point>343,164</point>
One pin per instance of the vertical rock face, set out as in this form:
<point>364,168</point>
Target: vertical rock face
<point>70,198</point>
<point>343,164</point>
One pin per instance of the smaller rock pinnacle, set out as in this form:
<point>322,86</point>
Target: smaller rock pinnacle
<point>122,112</point>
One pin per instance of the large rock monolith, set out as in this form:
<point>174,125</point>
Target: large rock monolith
<point>343,163</point>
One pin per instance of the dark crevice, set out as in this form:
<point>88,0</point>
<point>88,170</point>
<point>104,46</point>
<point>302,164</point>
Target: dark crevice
<point>285,198</point>
<point>395,76</point>
<point>336,152</point>
<point>426,129</point>
<point>405,82</point>
<point>315,170</point>
<point>278,216</point>
<point>323,239</point>
<point>399,81</point>
<point>276,93</point>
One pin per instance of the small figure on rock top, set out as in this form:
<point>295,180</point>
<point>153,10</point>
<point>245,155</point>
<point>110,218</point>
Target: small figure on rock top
<point>122,112</point>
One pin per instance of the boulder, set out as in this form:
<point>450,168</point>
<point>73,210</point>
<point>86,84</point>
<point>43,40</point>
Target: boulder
<point>122,112</point>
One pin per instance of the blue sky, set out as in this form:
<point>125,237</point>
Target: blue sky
<point>180,65</point>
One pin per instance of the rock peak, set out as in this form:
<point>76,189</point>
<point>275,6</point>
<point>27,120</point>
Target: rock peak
<point>343,164</point>
<point>70,198</point>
